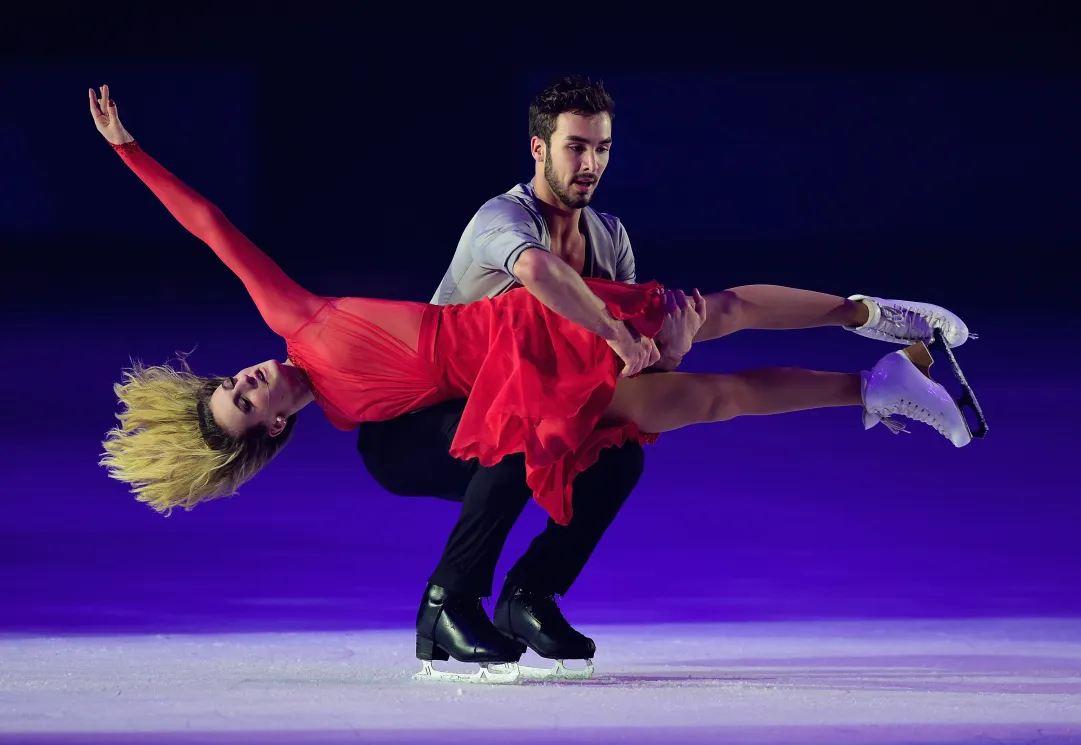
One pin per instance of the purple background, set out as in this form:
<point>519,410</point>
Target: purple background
<point>935,167</point>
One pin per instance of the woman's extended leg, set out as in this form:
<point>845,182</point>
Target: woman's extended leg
<point>666,401</point>
<point>900,383</point>
<point>773,307</point>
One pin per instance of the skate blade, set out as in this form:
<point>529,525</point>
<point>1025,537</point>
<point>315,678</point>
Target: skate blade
<point>559,672</point>
<point>968,397</point>
<point>489,674</point>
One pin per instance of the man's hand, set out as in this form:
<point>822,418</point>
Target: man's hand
<point>637,352</point>
<point>680,325</point>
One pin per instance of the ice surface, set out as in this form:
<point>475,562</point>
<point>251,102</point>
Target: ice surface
<point>838,682</point>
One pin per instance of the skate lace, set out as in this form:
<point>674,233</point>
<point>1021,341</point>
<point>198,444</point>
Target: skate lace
<point>902,316</point>
<point>911,410</point>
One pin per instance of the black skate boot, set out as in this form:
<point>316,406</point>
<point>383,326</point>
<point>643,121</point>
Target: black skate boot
<point>535,620</point>
<point>452,626</point>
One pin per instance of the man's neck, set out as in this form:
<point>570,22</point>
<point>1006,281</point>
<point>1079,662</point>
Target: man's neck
<point>563,222</point>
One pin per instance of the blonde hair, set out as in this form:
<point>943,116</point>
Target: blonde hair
<point>168,446</point>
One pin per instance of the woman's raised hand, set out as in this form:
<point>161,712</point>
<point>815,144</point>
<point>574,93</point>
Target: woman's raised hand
<point>107,119</point>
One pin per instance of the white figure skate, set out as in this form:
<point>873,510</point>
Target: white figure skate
<point>901,384</point>
<point>907,322</point>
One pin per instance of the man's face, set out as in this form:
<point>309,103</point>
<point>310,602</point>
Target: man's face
<point>577,157</point>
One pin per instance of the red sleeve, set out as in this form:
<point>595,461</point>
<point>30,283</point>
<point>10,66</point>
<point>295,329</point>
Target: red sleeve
<point>284,305</point>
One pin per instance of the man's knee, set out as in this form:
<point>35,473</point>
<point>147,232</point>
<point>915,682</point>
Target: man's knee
<point>409,457</point>
<point>616,471</point>
<point>629,461</point>
<point>371,439</point>
<point>385,463</point>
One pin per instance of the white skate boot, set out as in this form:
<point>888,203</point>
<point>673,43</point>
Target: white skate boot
<point>907,322</point>
<point>901,384</point>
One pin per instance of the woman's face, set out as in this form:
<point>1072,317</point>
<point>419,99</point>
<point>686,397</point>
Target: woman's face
<point>256,395</point>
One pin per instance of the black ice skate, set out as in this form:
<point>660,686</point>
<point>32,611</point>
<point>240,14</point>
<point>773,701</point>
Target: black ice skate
<point>967,398</point>
<point>451,626</point>
<point>536,621</point>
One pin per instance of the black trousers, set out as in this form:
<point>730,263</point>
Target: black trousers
<point>409,456</point>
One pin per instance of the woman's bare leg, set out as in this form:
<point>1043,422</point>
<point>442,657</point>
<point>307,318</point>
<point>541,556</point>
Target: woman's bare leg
<point>666,401</point>
<point>773,307</point>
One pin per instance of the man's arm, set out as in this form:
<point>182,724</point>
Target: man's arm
<point>552,281</point>
<point>507,238</point>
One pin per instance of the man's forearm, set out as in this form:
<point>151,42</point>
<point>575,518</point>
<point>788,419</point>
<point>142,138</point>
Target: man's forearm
<point>552,281</point>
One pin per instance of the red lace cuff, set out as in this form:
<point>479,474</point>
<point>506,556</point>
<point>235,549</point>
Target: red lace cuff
<point>126,147</point>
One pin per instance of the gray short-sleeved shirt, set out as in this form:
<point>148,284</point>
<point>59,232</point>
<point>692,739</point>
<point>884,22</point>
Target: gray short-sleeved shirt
<point>509,224</point>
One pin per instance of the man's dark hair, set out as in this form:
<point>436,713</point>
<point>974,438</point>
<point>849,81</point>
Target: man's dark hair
<point>571,94</point>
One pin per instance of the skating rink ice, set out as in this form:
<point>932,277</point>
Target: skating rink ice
<point>986,681</point>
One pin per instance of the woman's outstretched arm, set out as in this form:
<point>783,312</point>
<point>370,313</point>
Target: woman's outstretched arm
<point>284,305</point>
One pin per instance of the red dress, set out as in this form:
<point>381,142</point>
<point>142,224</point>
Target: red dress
<point>535,382</point>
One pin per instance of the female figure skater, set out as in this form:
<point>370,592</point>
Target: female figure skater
<point>536,383</point>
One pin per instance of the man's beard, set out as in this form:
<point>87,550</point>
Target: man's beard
<point>573,201</point>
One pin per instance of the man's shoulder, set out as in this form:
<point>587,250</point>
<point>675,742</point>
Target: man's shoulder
<point>514,199</point>
<point>516,206</point>
<point>606,222</point>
